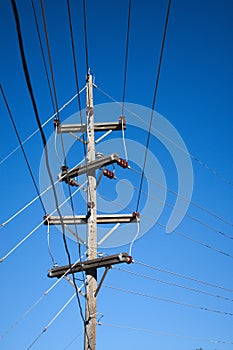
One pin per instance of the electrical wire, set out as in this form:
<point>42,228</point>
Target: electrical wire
<point>172,284</point>
<point>126,57</point>
<point>216,216</point>
<point>52,320</point>
<point>31,308</point>
<point>146,330</point>
<point>73,340</point>
<point>34,199</point>
<point>37,130</point>
<point>189,278</point>
<point>154,101</point>
<point>64,155</point>
<point>135,238</point>
<point>196,159</point>
<point>43,55</point>
<point>85,35</point>
<point>52,73</point>
<point>22,148</point>
<point>75,71</point>
<point>210,227</point>
<point>170,301</point>
<point>39,225</point>
<point>175,231</point>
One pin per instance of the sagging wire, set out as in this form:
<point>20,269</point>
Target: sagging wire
<point>175,231</point>
<point>135,237</point>
<point>55,145</point>
<point>146,330</point>
<point>31,308</point>
<point>49,247</point>
<point>123,138</point>
<point>36,228</point>
<point>53,319</point>
<point>42,125</point>
<point>181,149</point>
<point>37,197</point>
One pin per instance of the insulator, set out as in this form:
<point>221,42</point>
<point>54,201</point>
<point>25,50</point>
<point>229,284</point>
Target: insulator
<point>136,215</point>
<point>109,174</point>
<point>123,163</point>
<point>46,219</point>
<point>122,118</point>
<point>130,259</point>
<point>56,122</point>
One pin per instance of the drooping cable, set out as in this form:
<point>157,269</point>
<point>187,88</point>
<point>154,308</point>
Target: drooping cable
<point>34,199</point>
<point>75,69</point>
<point>225,313</point>
<point>43,55</point>
<point>189,278</point>
<point>216,250</point>
<point>42,125</point>
<point>29,85</point>
<point>85,35</point>
<point>39,225</point>
<point>193,218</point>
<point>195,158</point>
<point>52,73</point>
<point>126,57</point>
<point>52,320</point>
<point>22,148</point>
<point>31,308</point>
<point>216,216</point>
<point>73,340</point>
<point>167,334</point>
<point>151,278</point>
<point>154,101</point>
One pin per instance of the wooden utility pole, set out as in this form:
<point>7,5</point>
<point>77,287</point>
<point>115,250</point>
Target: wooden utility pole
<point>91,219</point>
<point>91,275</point>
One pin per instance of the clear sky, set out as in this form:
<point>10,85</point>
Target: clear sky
<point>195,99</point>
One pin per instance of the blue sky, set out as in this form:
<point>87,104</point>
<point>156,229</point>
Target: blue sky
<point>195,96</point>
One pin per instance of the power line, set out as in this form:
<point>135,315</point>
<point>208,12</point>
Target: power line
<point>85,34</point>
<point>74,61</point>
<point>52,72</point>
<point>29,85</point>
<point>146,330</point>
<point>31,308</point>
<point>22,148</point>
<point>172,284</point>
<point>185,199</point>
<point>39,225</point>
<point>154,101</point>
<point>196,159</point>
<point>32,201</point>
<point>126,56</point>
<point>43,55</point>
<point>73,340</point>
<point>175,231</point>
<point>210,227</point>
<point>170,301</point>
<point>52,320</point>
<point>37,130</point>
<point>183,276</point>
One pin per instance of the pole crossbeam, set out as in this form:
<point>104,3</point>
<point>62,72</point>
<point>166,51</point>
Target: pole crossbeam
<point>107,261</point>
<point>91,219</point>
<point>72,128</point>
<point>100,219</point>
